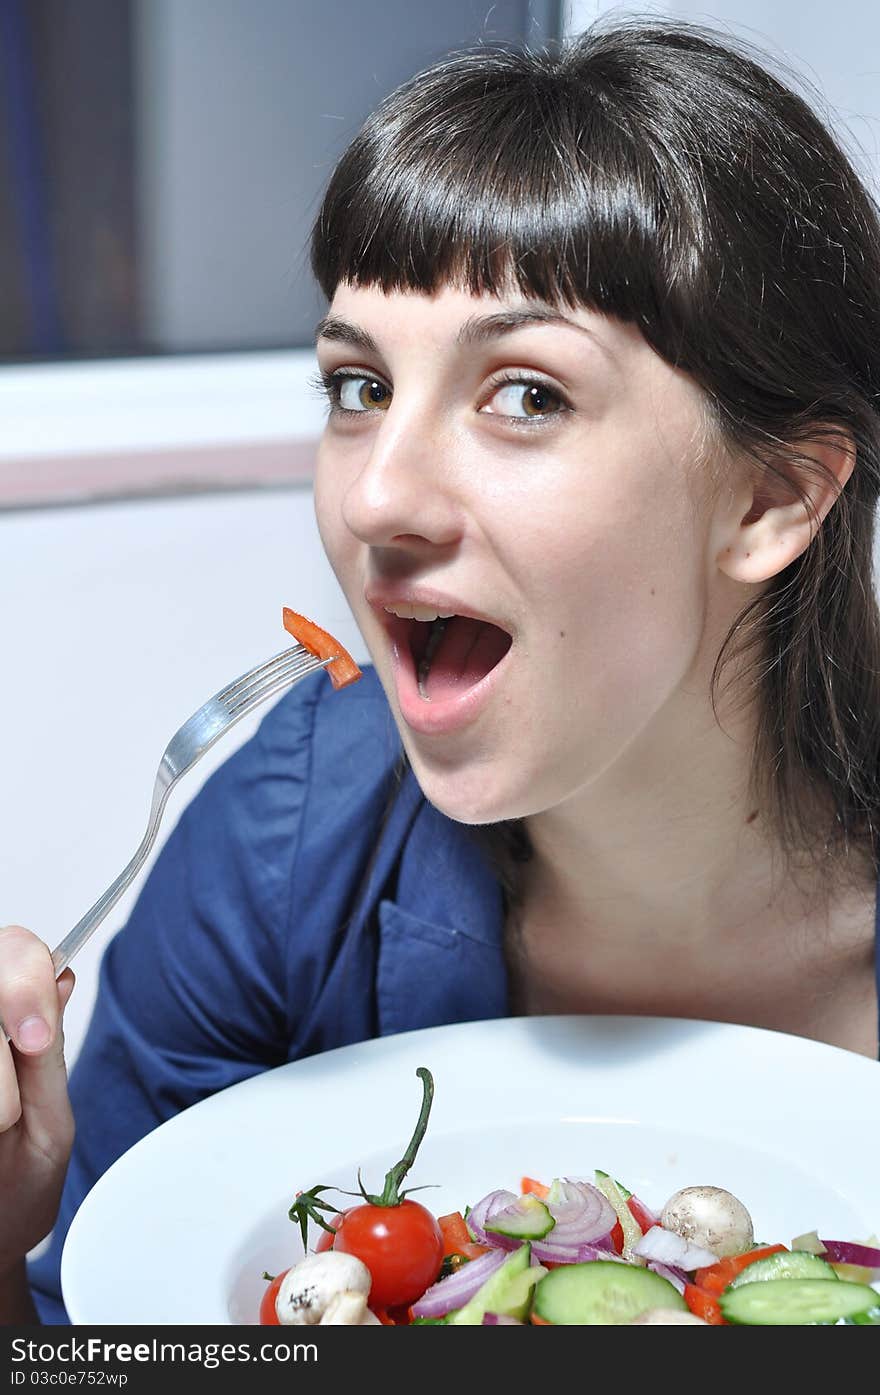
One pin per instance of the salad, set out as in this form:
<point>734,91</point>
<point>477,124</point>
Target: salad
<point>571,1252</point>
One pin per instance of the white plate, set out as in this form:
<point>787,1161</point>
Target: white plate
<point>181,1228</point>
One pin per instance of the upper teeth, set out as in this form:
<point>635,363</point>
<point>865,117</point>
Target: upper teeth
<point>419,612</point>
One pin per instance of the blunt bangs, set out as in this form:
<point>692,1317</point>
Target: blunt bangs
<point>494,173</point>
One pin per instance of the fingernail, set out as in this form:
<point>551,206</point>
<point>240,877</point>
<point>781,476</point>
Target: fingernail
<point>33,1034</point>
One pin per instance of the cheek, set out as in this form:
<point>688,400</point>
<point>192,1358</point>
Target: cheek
<point>636,638</point>
<point>639,606</point>
<point>328,498</point>
<point>623,555</point>
<point>624,603</point>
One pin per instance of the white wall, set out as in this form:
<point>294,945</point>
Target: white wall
<point>243,108</point>
<point>117,621</point>
<point>836,48</point>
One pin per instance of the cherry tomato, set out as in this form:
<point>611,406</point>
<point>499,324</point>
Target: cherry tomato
<point>268,1315</point>
<point>399,1241</point>
<point>401,1245</point>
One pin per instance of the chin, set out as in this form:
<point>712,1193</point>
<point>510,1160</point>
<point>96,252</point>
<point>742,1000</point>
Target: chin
<point>471,795</point>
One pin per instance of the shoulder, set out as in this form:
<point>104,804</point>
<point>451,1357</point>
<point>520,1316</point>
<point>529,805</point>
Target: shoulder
<point>348,737</point>
<point>314,709</point>
<point>261,862</point>
<point>318,755</point>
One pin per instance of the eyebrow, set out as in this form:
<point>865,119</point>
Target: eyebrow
<point>479,329</point>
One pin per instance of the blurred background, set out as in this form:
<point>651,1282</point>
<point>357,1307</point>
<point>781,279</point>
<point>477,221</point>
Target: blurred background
<point>161,162</point>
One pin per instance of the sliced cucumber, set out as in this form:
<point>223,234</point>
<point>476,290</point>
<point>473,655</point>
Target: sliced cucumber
<point>796,1302</point>
<point>508,1291</point>
<point>619,1185</point>
<point>796,1264</point>
<point>869,1319</point>
<point>602,1293</point>
<point>526,1219</point>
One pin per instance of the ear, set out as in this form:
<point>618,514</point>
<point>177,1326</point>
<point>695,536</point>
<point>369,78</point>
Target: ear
<point>775,527</point>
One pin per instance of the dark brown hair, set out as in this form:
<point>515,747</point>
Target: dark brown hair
<point>661,173</point>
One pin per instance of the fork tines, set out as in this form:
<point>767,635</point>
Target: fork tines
<point>276,672</point>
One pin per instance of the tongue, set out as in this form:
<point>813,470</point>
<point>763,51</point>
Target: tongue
<point>467,651</point>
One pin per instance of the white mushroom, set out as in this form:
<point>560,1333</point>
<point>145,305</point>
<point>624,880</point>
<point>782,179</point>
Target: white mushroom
<point>653,1317</point>
<point>710,1217</point>
<point>349,1309</point>
<point>307,1289</point>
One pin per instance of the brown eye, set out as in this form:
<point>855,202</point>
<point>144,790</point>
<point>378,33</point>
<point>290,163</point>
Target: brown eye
<point>525,399</point>
<point>363,394</point>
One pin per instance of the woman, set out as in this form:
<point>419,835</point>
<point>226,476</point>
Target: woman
<point>598,480</point>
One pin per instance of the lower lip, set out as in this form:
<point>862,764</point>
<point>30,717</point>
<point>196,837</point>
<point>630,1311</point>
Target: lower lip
<point>437,718</point>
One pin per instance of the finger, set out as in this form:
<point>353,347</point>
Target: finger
<point>29,1005</point>
<point>65,984</point>
<point>10,1097</point>
<point>10,1100</point>
<point>42,1080</point>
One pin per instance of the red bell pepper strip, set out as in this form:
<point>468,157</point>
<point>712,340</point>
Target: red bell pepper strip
<point>343,670</point>
<point>455,1233</point>
<point>472,1250</point>
<point>640,1214</point>
<point>530,1187</point>
<point>457,1238</point>
<point>716,1277</point>
<point>704,1304</point>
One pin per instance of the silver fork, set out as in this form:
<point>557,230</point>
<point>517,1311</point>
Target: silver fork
<point>186,747</point>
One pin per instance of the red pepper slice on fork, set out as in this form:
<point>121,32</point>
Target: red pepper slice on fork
<point>343,670</point>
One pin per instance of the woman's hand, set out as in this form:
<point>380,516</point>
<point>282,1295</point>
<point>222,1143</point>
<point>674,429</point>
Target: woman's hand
<point>36,1121</point>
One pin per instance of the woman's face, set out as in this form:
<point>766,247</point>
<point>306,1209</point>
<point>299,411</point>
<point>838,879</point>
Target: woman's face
<point>532,473</point>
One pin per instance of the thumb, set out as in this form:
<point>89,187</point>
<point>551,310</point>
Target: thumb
<point>42,1075</point>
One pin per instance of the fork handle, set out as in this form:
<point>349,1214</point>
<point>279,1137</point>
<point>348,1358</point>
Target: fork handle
<point>75,939</point>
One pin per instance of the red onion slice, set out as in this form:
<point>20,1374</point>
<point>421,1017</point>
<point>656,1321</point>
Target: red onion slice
<point>501,1320</point>
<point>666,1271</point>
<point>581,1206</point>
<point>843,1252</point>
<point>458,1288</point>
<point>485,1209</point>
<point>525,1214</point>
<point>584,1221</point>
<point>584,1218</point>
<point>666,1247</point>
<point>544,1251</point>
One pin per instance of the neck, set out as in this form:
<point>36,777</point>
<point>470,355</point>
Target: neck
<point>669,846</point>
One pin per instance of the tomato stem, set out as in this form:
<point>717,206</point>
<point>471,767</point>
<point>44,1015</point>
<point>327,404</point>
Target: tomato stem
<point>308,1205</point>
<point>391,1193</point>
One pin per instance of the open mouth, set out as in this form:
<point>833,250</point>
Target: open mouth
<point>452,654</point>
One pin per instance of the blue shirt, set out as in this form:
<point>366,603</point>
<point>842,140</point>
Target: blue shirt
<point>307,899</point>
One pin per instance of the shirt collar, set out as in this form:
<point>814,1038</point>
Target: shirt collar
<point>445,878</point>
<point>441,953</point>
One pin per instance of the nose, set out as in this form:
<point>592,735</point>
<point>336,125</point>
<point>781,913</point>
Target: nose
<point>404,493</point>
